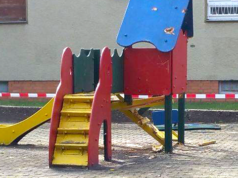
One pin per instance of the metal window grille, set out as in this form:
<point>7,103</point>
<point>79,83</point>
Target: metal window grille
<point>228,87</point>
<point>222,10</point>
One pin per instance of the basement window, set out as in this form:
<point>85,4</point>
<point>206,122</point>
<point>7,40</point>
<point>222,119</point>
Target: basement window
<point>228,87</point>
<point>13,11</point>
<point>222,10</point>
<point>3,87</point>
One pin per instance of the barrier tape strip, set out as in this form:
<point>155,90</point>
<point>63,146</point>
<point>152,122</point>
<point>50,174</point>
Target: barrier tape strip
<point>188,96</point>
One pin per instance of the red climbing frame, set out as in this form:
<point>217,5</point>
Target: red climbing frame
<point>65,87</point>
<point>101,110</point>
<point>148,71</point>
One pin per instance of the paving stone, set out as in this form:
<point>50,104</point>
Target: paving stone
<point>132,156</point>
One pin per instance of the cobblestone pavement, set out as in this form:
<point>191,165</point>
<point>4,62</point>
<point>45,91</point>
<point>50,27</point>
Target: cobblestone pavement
<point>132,156</point>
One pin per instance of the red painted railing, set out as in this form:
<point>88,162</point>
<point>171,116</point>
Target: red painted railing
<point>65,87</point>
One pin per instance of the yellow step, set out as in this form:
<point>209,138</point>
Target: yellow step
<point>76,105</point>
<point>70,157</point>
<point>70,124</point>
<point>79,98</point>
<point>75,112</point>
<point>75,146</point>
<point>72,138</point>
<point>75,118</point>
<point>73,130</point>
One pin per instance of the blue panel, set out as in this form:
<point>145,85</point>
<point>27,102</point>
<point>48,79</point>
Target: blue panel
<point>158,117</point>
<point>147,21</point>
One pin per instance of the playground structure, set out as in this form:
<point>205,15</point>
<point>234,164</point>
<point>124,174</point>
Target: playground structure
<point>83,98</point>
<point>92,84</point>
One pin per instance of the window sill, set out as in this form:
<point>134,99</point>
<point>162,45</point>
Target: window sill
<point>14,22</point>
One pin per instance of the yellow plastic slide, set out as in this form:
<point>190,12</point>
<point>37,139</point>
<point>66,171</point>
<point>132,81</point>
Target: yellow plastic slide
<point>12,133</point>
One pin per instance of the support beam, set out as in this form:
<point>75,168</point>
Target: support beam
<point>168,124</point>
<point>105,141</point>
<point>181,112</point>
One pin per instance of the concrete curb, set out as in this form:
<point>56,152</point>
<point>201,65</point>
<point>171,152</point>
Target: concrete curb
<point>17,114</point>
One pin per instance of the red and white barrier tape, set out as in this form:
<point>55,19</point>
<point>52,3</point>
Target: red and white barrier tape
<point>189,96</point>
<point>198,96</point>
<point>27,95</point>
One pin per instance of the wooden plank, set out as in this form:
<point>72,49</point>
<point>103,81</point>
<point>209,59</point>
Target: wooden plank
<point>118,73</point>
<point>84,71</point>
<point>147,72</point>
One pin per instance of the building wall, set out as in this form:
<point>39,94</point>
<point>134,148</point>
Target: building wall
<point>193,86</point>
<point>214,56</point>
<point>32,51</point>
<point>32,86</point>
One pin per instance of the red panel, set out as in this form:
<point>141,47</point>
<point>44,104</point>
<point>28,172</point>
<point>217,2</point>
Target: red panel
<point>179,65</point>
<point>101,109</point>
<point>65,87</point>
<point>147,72</point>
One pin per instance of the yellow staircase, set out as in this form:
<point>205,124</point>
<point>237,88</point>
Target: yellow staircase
<point>71,147</point>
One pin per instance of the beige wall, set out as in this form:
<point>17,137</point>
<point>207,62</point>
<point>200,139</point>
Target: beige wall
<point>215,55</point>
<point>32,51</point>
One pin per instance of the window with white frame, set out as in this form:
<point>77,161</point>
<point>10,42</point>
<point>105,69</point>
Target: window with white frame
<point>222,10</point>
<point>228,87</point>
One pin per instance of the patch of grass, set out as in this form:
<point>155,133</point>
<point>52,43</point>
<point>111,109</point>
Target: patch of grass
<point>22,103</point>
<point>207,105</point>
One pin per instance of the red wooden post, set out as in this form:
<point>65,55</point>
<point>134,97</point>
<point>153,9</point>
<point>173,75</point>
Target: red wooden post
<point>65,87</point>
<point>101,110</point>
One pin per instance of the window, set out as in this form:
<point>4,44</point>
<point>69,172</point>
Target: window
<point>13,11</point>
<point>3,87</point>
<point>222,10</point>
<point>228,87</point>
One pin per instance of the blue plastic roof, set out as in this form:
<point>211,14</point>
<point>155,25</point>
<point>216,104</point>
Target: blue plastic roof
<point>155,21</point>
